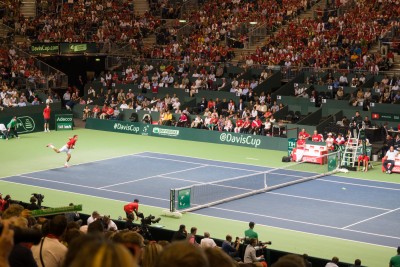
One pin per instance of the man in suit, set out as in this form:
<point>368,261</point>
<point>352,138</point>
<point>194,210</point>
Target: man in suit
<point>240,106</point>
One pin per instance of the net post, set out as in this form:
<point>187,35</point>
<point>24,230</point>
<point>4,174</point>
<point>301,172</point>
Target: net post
<point>172,200</point>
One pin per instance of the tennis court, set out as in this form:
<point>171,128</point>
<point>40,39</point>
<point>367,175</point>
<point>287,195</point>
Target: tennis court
<point>352,209</point>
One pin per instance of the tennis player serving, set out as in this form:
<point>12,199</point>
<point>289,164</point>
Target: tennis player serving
<point>67,148</point>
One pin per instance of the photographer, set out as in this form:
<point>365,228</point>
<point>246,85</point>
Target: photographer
<point>250,254</point>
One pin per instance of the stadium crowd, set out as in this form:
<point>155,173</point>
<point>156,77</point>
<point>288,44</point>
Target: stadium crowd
<point>66,240</point>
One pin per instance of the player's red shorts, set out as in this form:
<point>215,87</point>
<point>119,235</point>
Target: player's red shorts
<point>362,158</point>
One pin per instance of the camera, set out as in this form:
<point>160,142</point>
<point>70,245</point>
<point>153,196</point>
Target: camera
<point>261,244</point>
<point>145,223</point>
<point>39,197</point>
<point>24,235</point>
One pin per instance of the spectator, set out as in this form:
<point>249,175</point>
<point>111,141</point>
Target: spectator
<point>231,249</point>
<point>207,242</point>
<point>181,234</point>
<point>250,254</point>
<point>109,224</point>
<point>180,254</point>
<point>316,137</point>
<point>216,257</point>
<point>97,251</point>
<point>191,237</point>
<point>133,241</point>
<point>333,263</point>
<point>390,158</point>
<point>357,262</point>
<point>95,215</point>
<point>150,254</point>
<point>50,252</point>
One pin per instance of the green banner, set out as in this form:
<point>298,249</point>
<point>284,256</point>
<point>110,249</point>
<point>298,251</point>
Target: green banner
<point>78,48</point>
<point>184,198</point>
<point>332,162</point>
<point>55,211</point>
<point>227,138</point>
<point>385,116</point>
<point>45,48</point>
<point>64,122</point>
<point>291,145</point>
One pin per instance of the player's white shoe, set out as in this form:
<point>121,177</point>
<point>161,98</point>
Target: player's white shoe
<point>66,165</point>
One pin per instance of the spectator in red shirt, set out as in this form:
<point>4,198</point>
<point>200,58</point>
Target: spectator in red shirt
<point>316,137</point>
<point>303,134</point>
<point>96,110</point>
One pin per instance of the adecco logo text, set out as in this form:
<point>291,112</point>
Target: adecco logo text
<point>64,119</point>
<point>25,124</point>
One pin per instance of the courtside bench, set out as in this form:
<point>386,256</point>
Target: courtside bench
<point>313,154</point>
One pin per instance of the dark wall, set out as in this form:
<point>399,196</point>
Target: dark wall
<point>74,66</point>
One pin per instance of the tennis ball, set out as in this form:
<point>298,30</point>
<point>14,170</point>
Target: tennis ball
<point>343,188</point>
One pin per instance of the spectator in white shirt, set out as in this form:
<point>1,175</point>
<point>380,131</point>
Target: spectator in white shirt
<point>95,216</point>
<point>390,157</point>
<point>207,242</point>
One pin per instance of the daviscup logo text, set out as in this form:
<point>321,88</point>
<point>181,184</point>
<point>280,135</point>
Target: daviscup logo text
<point>242,139</point>
<point>128,128</point>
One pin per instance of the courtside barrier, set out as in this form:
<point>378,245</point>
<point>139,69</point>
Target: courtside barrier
<point>226,138</point>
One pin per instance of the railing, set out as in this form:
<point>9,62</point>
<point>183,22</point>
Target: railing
<point>187,7</point>
<point>185,31</point>
<point>51,77</point>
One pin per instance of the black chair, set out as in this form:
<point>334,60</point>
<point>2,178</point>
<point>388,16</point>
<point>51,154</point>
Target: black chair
<point>134,117</point>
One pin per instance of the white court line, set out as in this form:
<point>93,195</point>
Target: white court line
<point>379,215</point>
<point>154,176</point>
<point>295,231</point>
<point>271,169</point>
<point>301,222</point>
<point>85,186</point>
<point>210,165</point>
<point>99,160</point>
<point>202,183</point>
<point>208,216</point>
<point>329,201</point>
<point>362,185</point>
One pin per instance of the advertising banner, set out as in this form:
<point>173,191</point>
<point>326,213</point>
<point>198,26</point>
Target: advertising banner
<point>45,48</point>
<point>78,48</point>
<point>64,122</point>
<point>227,138</point>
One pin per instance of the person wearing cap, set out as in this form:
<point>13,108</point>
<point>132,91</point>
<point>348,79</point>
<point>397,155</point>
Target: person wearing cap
<point>250,233</point>
<point>67,148</point>
<point>395,260</point>
<point>329,142</point>
<point>131,207</point>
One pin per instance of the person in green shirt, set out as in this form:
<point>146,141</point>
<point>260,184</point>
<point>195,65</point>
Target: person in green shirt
<point>12,127</point>
<point>249,233</point>
<point>395,260</point>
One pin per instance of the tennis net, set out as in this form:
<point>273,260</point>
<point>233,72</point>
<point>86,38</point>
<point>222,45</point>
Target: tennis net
<point>198,196</point>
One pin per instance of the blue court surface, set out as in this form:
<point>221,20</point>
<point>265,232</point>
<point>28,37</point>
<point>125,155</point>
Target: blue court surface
<point>348,208</point>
